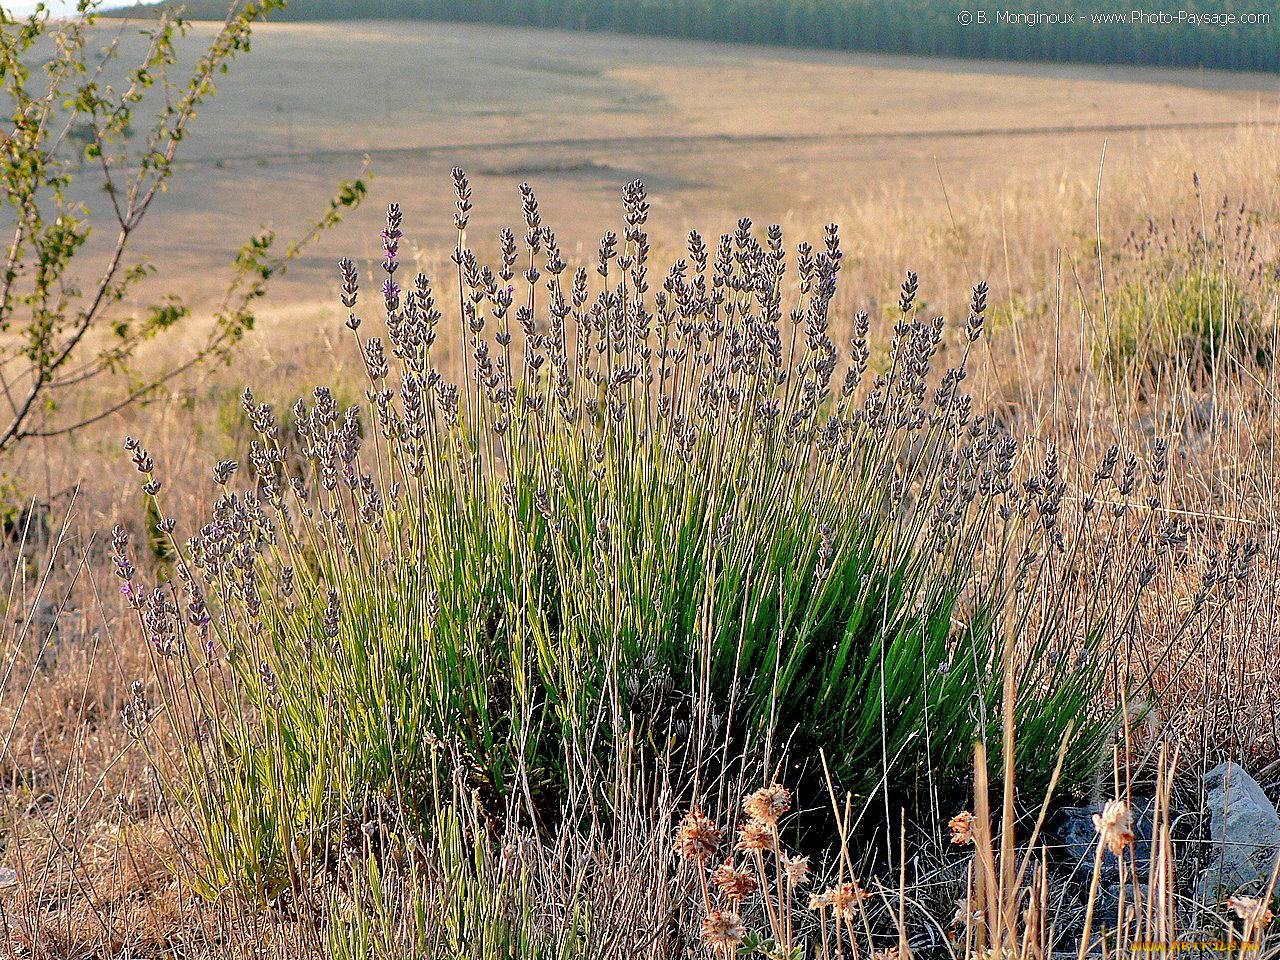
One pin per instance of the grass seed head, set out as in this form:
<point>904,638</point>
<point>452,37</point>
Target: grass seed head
<point>796,869</point>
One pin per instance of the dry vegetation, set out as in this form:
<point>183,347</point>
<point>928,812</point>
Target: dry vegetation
<point>717,131</point>
<point>1132,300</point>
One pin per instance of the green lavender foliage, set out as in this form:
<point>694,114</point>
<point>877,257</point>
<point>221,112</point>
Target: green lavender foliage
<point>680,514</point>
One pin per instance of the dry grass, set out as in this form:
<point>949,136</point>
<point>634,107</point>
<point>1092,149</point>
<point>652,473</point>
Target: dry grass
<point>717,131</point>
<point>928,173</point>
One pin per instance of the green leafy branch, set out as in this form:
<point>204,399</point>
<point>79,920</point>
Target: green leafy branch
<point>66,118</point>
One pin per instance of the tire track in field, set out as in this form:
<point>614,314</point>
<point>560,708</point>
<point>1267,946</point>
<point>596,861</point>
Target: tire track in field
<point>661,141</point>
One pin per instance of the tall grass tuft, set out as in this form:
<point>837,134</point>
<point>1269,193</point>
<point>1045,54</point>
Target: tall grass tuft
<point>650,507</point>
<point>1194,297</point>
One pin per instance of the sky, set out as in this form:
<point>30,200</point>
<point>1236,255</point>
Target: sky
<point>23,7</point>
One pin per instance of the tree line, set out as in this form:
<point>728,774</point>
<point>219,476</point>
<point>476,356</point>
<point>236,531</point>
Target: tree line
<point>926,27</point>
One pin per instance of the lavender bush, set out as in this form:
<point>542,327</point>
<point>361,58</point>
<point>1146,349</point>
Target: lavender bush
<point>668,510</point>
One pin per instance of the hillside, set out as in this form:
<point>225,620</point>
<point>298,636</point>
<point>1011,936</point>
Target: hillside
<point>1082,31</point>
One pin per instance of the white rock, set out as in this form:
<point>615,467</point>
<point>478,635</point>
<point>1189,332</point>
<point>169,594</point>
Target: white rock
<point>1245,830</point>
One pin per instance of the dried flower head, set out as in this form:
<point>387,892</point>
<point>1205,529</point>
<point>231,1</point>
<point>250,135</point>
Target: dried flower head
<point>755,836</point>
<point>697,837</point>
<point>845,898</point>
<point>820,901</point>
<point>723,930</point>
<point>736,885</point>
<point>796,869</point>
<point>968,911</point>
<point>768,804</point>
<point>1254,912</point>
<point>888,953</point>
<point>1114,825</point>
<point>962,828</point>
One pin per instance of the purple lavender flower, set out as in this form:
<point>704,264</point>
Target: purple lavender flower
<point>391,293</point>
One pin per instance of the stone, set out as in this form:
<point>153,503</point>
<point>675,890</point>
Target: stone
<point>1074,831</point>
<point>1245,832</point>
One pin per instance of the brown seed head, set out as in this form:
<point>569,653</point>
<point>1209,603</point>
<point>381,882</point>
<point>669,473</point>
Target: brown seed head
<point>846,897</point>
<point>736,885</point>
<point>1114,825</point>
<point>697,837</point>
<point>754,835</point>
<point>723,930</point>
<point>796,869</point>
<point>1254,912</point>
<point>768,804</point>
<point>962,828</point>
